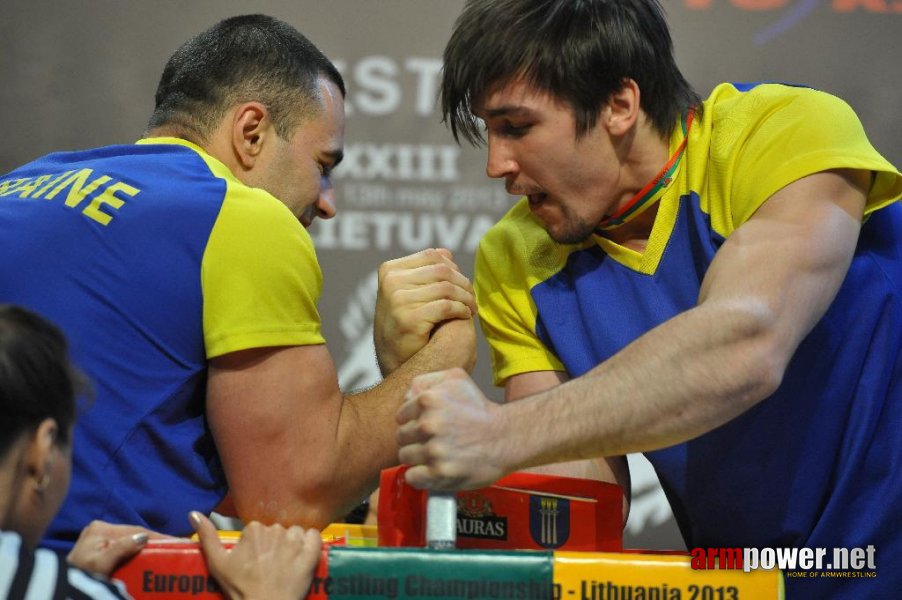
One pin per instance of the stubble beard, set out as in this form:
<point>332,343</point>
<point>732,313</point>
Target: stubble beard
<point>574,230</point>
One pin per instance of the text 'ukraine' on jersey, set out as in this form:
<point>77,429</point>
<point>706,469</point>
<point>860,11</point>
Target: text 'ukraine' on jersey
<point>152,258</point>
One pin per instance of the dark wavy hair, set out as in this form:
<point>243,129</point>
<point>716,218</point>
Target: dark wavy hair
<point>580,51</point>
<point>241,59</point>
<point>37,379</point>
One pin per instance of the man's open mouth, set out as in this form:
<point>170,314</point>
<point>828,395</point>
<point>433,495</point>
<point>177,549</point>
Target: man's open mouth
<point>536,199</point>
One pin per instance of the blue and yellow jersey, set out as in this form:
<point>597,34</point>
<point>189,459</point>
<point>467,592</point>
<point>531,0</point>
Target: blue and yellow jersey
<point>784,472</point>
<point>735,160</point>
<point>152,258</point>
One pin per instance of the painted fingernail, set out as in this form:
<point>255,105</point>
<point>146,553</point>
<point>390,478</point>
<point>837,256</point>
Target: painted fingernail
<point>195,517</point>
<point>139,539</point>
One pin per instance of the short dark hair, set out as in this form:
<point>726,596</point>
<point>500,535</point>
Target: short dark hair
<point>240,59</point>
<point>37,379</point>
<point>580,51</point>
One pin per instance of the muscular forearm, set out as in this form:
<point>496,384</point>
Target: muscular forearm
<point>680,380</point>
<point>612,469</point>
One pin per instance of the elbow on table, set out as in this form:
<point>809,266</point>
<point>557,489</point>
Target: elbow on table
<point>306,512</point>
<point>312,500</point>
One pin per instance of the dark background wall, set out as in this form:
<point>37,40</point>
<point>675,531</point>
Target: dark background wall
<point>81,73</point>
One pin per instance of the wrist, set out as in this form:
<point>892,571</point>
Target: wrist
<point>508,454</point>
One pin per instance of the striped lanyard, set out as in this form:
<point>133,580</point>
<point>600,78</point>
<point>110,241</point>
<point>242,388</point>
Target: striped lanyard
<point>644,197</point>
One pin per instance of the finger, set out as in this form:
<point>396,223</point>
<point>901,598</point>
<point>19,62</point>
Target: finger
<point>412,454</point>
<point>426,390</point>
<point>120,531</point>
<point>415,431</point>
<point>412,432</point>
<point>95,532</point>
<point>444,252</point>
<point>401,288</point>
<point>122,548</point>
<point>423,320</point>
<point>421,477</point>
<point>209,542</point>
<point>437,254</point>
<point>295,533</point>
<point>429,256</point>
<point>310,555</point>
<point>447,310</point>
<point>410,410</point>
<point>313,543</point>
<point>443,271</point>
<point>424,285</point>
<point>433,296</point>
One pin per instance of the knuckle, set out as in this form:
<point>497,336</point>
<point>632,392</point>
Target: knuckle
<point>408,321</point>
<point>432,453</point>
<point>407,455</point>
<point>385,269</point>
<point>446,470</point>
<point>451,307</point>
<point>444,270</point>
<point>387,282</point>
<point>426,400</point>
<point>428,428</point>
<point>439,307</point>
<point>254,527</point>
<point>395,296</point>
<point>404,329</point>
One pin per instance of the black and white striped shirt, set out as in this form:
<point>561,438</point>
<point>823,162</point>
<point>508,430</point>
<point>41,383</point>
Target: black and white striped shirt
<point>40,574</point>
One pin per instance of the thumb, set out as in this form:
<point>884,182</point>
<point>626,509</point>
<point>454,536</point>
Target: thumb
<point>209,542</point>
<point>128,545</point>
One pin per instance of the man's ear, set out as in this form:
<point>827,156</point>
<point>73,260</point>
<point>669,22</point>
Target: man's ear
<point>622,109</point>
<point>251,127</point>
<point>41,451</point>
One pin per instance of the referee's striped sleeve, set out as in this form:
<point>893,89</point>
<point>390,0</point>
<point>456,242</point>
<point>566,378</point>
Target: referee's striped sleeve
<point>45,575</point>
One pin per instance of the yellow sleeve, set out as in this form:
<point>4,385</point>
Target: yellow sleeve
<point>768,137</point>
<point>260,277</point>
<point>509,263</point>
